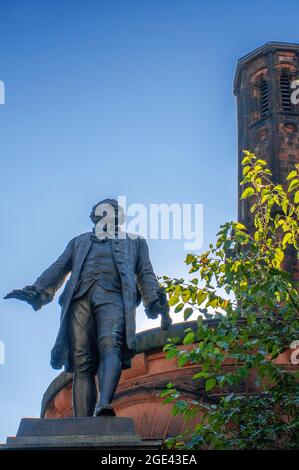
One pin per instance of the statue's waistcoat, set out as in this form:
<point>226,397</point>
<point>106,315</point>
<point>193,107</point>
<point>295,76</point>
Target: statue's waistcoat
<point>99,265</point>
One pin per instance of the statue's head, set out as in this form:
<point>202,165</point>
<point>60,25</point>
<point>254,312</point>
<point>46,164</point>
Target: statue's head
<point>107,215</point>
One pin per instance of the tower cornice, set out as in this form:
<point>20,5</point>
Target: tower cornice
<point>272,46</point>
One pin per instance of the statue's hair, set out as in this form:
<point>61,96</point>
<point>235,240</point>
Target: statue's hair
<point>119,212</point>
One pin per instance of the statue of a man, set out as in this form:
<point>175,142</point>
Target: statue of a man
<point>110,271</point>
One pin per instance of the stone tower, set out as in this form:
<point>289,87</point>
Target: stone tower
<point>268,122</point>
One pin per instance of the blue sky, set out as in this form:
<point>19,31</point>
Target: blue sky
<point>107,98</point>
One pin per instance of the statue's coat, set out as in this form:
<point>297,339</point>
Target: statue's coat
<point>137,279</point>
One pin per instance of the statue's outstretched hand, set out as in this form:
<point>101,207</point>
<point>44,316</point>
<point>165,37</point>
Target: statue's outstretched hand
<point>29,294</point>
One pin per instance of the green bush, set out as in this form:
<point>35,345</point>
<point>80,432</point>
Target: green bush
<point>242,282</point>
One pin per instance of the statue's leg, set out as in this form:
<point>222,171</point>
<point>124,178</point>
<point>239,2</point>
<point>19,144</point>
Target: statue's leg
<point>110,319</point>
<point>83,346</point>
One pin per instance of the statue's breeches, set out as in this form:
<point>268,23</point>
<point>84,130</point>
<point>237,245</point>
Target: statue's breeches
<point>97,325</point>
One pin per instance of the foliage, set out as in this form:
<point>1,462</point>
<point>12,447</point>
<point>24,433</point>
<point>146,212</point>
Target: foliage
<point>242,285</point>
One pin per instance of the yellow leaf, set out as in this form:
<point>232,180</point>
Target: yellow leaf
<point>247,193</point>
<point>293,184</point>
<point>284,205</point>
<point>240,226</point>
<point>286,239</point>
<point>246,169</point>
<point>292,175</point>
<point>279,255</point>
<point>201,297</point>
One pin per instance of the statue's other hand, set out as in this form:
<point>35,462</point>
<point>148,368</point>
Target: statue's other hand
<point>29,294</point>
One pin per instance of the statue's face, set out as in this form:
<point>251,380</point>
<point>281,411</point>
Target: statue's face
<point>106,219</point>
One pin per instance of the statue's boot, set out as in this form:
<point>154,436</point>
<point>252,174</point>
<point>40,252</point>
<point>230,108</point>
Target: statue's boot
<point>103,410</point>
<point>109,372</point>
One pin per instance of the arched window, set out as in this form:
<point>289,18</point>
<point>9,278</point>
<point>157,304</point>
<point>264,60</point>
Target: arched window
<point>285,91</point>
<point>264,98</point>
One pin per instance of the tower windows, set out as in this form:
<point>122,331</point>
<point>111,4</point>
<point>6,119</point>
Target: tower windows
<point>285,91</point>
<point>264,98</point>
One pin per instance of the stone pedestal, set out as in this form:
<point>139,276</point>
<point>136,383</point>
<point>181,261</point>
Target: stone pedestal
<point>104,432</point>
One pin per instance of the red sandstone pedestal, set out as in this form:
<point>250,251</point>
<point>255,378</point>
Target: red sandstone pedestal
<point>138,392</point>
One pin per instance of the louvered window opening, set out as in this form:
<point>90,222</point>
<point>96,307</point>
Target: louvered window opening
<point>264,98</point>
<point>285,92</point>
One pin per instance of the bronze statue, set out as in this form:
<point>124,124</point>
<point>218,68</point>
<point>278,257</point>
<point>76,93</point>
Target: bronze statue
<point>110,272</point>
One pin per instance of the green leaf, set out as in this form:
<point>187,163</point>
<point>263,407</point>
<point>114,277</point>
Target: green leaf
<point>183,360</point>
<point>189,258</point>
<point>296,197</point>
<point>210,384</point>
<point>171,353</point>
<point>200,374</point>
<point>178,308</point>
<point>189,338</point>
<point>187,313</point>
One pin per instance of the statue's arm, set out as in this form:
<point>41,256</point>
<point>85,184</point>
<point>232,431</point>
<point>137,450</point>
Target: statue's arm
<point>44,288</point>
<point>153,296</point>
